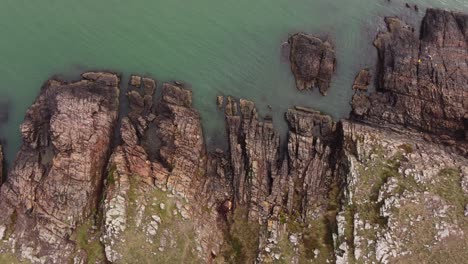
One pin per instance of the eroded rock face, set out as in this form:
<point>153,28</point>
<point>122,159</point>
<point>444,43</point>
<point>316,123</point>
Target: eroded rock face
<point>362,80</point>
<point>273,191</point>
<point>313,62</point>
<point>422,80</point>
<point>56,180</point>
<point>401,205</point>
<point>162,198</point>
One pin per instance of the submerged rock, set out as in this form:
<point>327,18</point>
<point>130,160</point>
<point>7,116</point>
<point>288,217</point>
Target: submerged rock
<point>364,190</point>
<point>313,62</point>
<point>56,180</point>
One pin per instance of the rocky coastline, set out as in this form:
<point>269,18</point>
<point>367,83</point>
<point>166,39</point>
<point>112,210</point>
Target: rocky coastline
<point>389,184</point>
<point>313,62</point>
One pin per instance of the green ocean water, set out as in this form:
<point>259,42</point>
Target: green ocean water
<point>219,47</point>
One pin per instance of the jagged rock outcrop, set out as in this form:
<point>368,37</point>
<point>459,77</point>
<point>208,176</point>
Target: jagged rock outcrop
<point>422,81</point>
<point>404,201</point>
<point>254,149</point>
<point>362,80</point>
<point>56,180</point>
<point>310,141</point>
<point>313,62</point>
<point>360,102</point>
<point>269,187</point>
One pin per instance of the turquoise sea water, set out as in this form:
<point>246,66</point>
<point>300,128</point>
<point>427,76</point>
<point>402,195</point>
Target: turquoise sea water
<point>220,47</point>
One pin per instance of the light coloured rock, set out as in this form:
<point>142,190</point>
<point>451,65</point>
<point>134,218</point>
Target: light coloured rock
<point>135,81</point>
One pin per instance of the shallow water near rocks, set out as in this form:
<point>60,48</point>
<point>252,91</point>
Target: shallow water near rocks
<point>218,47</point>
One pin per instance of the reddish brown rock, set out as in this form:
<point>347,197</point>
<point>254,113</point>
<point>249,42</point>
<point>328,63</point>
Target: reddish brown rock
<point>313,62</point>
<point>1,165</point>
<point>149,85</point>
<point>272,186</point>
<point>166,154</point>
<point>362,80</point>
<point>56,180</point>
<point>422,80</point>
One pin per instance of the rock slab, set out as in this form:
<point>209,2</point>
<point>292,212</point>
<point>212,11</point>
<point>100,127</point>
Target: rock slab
<point>313,62</point>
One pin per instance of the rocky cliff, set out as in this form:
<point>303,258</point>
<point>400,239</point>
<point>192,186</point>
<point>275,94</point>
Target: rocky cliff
<point>1,164</point>
<point>405,199</point>
<point>388,185</point>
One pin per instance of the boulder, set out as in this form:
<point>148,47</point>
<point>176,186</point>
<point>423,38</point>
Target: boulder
<point>313,62</point>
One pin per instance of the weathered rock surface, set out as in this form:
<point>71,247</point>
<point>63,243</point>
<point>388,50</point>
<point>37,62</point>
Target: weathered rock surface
<point>362,80</point>
<point>4,109</point>
<point>161,199</point>
<point>56,180</point>
<point>313,62</point>
<point>422,81</point>
<point>268,187</point>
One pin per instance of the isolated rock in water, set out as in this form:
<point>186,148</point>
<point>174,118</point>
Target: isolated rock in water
<point>220,101</point>
<point>362,80</point>
<point>313,62</point>
<point>55,183</point>
<point>422,81</point>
